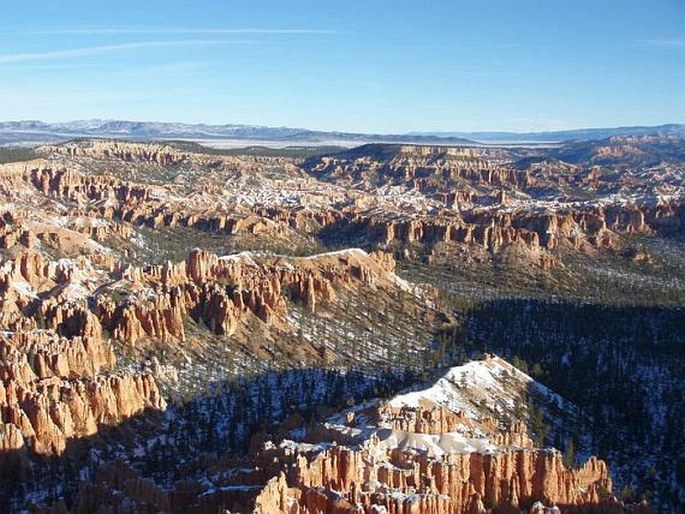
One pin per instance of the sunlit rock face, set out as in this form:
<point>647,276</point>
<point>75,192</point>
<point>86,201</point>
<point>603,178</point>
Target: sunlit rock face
<point>416,452</point>
<point>137,275</point>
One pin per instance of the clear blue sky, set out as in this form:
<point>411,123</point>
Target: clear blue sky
<point>371,66</point>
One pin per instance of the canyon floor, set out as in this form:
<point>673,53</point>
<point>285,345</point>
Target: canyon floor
<point>386,329</point>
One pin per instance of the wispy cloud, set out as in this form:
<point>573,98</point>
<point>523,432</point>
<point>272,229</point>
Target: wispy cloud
<point>669,42</point>
<point>171,68</point>
<point>95,50</point>
<point>94,31</point>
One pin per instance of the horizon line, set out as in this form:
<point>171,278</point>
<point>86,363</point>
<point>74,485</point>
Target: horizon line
<point>418,133</point>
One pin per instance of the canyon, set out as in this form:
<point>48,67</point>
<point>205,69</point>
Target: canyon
<point>202,331</point>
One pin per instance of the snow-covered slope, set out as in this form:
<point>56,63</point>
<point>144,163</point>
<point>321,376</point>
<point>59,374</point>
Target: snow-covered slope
<point>485,385</point>
<point>475,407</point>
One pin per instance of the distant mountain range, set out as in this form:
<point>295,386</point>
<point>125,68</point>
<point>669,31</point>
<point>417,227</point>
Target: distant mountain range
<point>27,132</point>
<point>16,132</point>
<point>583,134</point>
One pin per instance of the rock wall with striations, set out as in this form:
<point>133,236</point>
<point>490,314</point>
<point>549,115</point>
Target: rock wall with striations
<point>222,292</point>
<point>58,377</point>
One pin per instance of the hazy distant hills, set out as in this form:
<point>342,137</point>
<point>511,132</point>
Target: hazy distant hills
<point>27,132</point>
<point>15,132</point>
<point>583,134</point>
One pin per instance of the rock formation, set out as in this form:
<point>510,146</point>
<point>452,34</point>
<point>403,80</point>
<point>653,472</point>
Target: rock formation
<point>366,460</point>
<point>102,297</point>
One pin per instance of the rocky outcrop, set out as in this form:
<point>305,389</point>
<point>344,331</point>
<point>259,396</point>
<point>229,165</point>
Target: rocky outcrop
<point>597,228</point>
<point>471,196</point>
<point>274,497</point>
<point>222,291</point>
<point>375,477</point>
<point>411,454</point>
<point>57,379</point>
<point>54,389</point>
<point>339,478</point>
<point>424,168</point>
<point>164,155</point>
<point>49,355</point>
<point>487,208</point>
<point>85,234</point>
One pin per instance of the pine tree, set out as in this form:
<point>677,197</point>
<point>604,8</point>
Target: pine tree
<point>570,454</point>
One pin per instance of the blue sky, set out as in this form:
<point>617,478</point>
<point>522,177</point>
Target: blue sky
<point>367,66</point>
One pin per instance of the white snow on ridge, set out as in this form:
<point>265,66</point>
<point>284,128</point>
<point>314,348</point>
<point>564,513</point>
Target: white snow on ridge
<point>402,283</point>
<point>242,257</point>
<point>435,445</point>
<point>476,380</point>
<point>347,251</point>
<point>75,291</point>
<point>247,255</point>
<point>476,388</point>
<point>479,375</point>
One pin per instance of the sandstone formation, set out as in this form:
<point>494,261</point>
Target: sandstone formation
<point>380,458</point>
<point>54,388</point>
<point>391,195</point>
<point>57,377</point>
<point>102,297</point>
<point>222,291</point>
